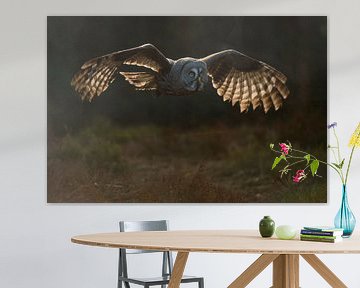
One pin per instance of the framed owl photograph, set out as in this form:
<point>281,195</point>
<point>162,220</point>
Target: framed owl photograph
<point>170,109</point>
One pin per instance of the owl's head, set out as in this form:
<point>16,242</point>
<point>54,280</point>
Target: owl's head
<point>193,75</point>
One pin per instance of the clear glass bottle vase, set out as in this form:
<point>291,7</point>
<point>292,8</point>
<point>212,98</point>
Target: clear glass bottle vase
<point>345,219</point>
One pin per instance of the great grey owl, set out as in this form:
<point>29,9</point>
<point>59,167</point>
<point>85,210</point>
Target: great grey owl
<point>237,77</point>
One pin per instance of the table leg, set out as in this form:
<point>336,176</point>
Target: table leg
<point>178,269</point>
<point>286,271</point>
<point>253,270</point>
<point>324,271</point>
<point>293,261</point>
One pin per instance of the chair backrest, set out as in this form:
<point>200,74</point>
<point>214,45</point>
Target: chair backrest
<point>134,226</point>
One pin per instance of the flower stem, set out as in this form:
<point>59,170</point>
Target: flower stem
<point>351,155</point>
<point>333,152</point>
<point>313,157</point>
<point>335,168</point>
<point>339,162</point>
<point>348,167</point>
<point>337,143</point>
<point>339,171</point>
<point>299,151</point>
<point>296,162</point>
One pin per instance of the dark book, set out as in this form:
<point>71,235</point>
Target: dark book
<point>321,233</point>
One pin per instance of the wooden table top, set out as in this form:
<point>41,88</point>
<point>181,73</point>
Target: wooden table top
<point>219,241</point>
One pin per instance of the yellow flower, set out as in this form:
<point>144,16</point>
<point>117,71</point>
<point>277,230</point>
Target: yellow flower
<point>355,138</point>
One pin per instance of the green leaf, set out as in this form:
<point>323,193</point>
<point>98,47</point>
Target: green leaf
<point>314,166</point>
<point>307,157</point>
<point>342,163</point>
<point>276,162</point>
<point>339,166</point>
<point>271,146</point>
<point>336,165</point>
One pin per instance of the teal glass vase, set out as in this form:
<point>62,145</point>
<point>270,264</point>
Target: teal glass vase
<point>345,219</point>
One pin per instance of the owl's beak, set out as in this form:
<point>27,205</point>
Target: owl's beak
<point>200,83</point>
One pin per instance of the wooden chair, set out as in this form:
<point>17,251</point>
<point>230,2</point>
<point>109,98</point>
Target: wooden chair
<point>167,262</point>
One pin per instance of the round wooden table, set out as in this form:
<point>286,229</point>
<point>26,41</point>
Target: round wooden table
<point>284,254</point>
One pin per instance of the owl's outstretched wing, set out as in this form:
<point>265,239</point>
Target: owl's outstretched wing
<point>97,74</point>
<point>239,78</point>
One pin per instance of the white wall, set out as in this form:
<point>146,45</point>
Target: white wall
<point>35,248</point>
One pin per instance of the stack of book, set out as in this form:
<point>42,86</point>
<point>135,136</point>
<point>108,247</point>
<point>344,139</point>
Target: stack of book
<point>321,234</point>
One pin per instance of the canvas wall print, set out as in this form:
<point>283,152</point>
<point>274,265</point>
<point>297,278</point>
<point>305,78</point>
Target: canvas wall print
<point>183,109</point>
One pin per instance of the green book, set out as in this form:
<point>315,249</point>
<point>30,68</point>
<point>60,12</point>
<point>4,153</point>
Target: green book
<point>325,240</point>
<point>319,236</point>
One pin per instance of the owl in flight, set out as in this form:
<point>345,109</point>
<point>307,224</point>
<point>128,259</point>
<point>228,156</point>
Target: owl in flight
<point>236,77</point>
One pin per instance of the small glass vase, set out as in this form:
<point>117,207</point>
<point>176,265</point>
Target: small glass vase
<point>345,219</point>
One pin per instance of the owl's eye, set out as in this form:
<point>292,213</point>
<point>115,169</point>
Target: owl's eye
<point>192,74</point>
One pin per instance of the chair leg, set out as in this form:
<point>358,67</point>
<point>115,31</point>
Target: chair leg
<point>119,270</point>
<point>201,283</point>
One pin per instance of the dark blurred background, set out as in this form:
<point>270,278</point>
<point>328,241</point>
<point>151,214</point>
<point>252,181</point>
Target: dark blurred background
<point>131,146</point>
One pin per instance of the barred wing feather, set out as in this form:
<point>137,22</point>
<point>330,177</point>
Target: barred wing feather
<point>241,79</point>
